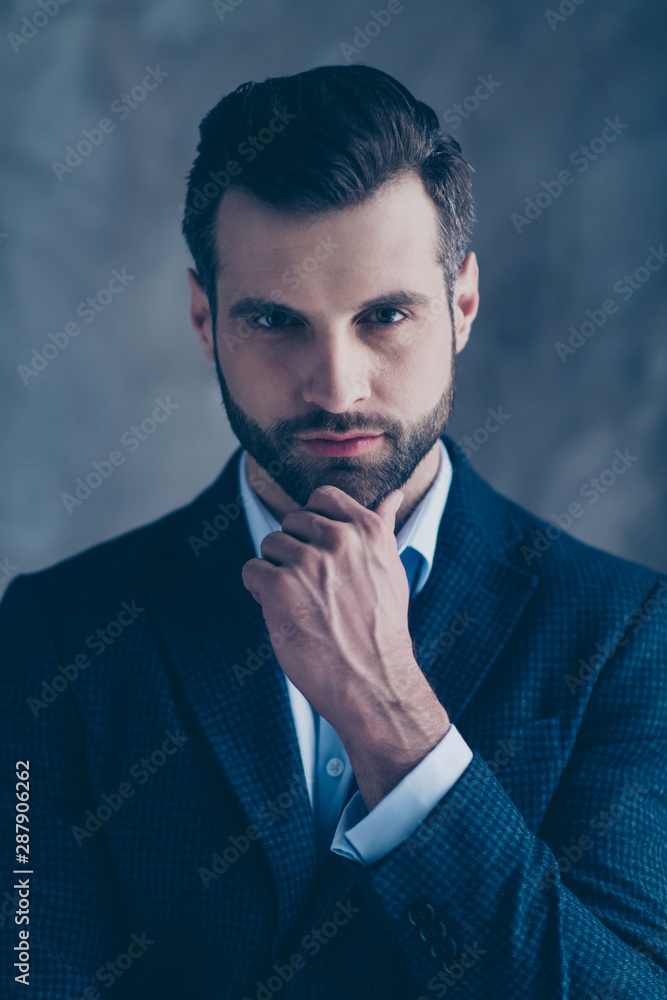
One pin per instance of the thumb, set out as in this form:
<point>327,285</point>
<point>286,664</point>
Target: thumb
<point>388,509</point>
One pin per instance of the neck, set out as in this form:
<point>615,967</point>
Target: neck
<point>414,489</point>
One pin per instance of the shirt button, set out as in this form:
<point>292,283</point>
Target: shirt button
<point>335,767</point>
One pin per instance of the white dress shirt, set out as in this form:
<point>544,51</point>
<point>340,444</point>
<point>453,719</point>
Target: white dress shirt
<point>353,831</point>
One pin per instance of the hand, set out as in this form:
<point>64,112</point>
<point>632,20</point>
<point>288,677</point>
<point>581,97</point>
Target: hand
<point>334,573</point>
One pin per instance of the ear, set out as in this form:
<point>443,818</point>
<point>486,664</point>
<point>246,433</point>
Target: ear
<point>200,314</point>
<point>465,300</point>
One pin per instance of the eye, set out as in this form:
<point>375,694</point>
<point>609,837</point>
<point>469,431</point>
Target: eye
<point>277,318</point>
<point>386,321</point>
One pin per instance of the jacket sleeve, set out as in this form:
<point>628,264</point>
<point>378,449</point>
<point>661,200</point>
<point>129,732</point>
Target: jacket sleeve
<point>72,919</point>
<point>484,908</point>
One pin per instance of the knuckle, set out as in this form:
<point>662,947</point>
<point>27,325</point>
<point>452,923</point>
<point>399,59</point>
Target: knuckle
<point>332,534</point>
<point>373,524</point>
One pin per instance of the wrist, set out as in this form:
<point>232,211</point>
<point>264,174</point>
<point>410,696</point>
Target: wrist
<point>385,745</point>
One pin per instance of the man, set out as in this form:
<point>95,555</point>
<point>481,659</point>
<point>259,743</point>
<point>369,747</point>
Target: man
<point>351,724</point>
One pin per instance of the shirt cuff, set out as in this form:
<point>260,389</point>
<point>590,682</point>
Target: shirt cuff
<point>366,837</point>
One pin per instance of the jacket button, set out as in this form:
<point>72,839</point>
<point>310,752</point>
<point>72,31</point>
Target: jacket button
<point>444,952</point>
<point>420,914</point>
<point>435,933</point>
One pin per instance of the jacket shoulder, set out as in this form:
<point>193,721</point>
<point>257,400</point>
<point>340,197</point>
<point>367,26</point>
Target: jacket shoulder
<point>568,570</point>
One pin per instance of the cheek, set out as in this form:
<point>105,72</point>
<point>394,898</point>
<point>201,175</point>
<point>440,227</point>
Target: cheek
<point>260,383</point>
<point>418,373</point>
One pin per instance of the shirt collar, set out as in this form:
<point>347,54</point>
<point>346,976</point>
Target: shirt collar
<point>419,532</point>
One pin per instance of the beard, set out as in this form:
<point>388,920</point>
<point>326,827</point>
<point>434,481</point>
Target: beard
<point>366,478</point>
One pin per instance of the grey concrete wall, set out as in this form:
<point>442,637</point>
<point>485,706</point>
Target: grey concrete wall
<point>557,78</point>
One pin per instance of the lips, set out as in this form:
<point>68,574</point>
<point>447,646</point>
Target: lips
<point>341,446</point>
<point>330,436</point>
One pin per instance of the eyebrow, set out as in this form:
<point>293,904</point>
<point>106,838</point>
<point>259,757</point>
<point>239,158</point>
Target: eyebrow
<point>399,297</point>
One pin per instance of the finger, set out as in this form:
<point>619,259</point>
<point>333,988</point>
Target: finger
<point>388,509</point>
<point>258,575</point>
<point>305,525</point>
<point>281,549</point>
<point>334,503</point>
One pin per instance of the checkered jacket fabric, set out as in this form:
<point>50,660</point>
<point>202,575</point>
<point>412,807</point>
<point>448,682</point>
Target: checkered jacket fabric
<point>172,846</point>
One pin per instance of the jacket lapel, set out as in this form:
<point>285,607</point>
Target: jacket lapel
<point>211,628</point>
<point>474,597</point>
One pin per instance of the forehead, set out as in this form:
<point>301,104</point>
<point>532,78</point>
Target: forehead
<point>394,229</point>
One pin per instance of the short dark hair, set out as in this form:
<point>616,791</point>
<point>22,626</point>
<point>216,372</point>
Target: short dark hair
<point>345,131</point>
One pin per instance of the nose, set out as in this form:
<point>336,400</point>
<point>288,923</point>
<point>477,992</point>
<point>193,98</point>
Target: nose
<point>335,374</point>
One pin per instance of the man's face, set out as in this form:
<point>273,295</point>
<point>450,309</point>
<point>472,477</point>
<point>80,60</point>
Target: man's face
<point>333,325</point>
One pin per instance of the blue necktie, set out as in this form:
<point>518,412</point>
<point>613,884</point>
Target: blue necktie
<point>412,561</point>
<point>334,771</point>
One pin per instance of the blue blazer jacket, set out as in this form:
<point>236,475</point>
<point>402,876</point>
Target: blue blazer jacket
<point>172,849</point>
